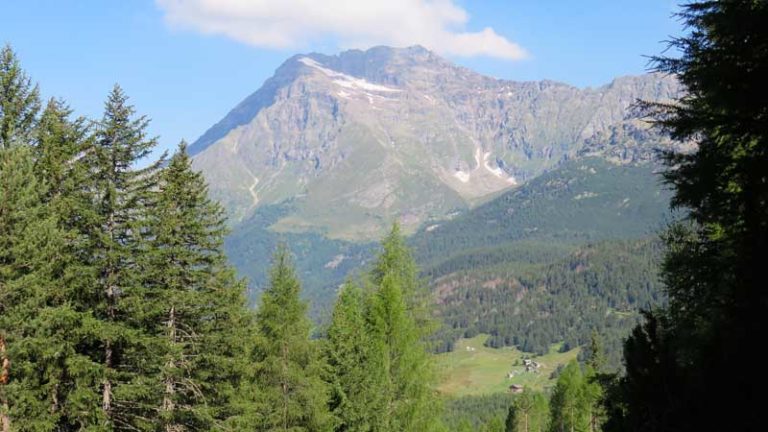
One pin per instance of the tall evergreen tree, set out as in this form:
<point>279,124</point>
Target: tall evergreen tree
<point>21,231</point>
<point>644,399</point>
<point>529,413</point>
<point>55,380</point>
<point>19,101</point>
<point>396,259</point>
<point>595,381</point>
<point>595,353</point>
<point>192,305</point>
<point>403,369</point>
<point>28,245</point>
<point>353,390</point>
<point>569,408</point>
<point>122,195</point>
<point>292,394</point>
<point>717,296</point>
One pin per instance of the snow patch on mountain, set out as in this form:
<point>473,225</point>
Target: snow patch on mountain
<point>462,176</point>
<point>347,81</point>
<point>498,172</point>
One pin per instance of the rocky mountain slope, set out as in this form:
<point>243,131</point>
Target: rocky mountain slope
<point>350,142</point>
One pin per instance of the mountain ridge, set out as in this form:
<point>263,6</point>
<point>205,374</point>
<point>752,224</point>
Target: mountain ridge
<point>361,138</point>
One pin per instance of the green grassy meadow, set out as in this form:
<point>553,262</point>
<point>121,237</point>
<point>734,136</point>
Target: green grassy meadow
<point>474,369</point>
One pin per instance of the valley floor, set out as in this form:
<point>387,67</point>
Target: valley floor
<point>474,369</point>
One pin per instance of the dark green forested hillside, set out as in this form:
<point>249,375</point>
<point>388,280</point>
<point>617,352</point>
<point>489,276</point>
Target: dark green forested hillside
<point>582,200</point>
<point>598,287</point>
<point>477,413</point>
<point>546,263</point>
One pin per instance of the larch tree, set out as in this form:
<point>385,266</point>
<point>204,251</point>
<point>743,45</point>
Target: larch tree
<point>595,381</point>
<point>568,410</point>
<point>396,258</point>
<point>399,322</point>
<point>529,413</point>
<point>292,393</point>
<point>353,391</point>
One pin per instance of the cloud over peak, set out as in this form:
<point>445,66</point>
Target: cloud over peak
<point>435,24</point>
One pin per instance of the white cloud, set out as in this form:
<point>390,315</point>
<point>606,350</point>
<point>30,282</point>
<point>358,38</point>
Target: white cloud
<point>436,24</point>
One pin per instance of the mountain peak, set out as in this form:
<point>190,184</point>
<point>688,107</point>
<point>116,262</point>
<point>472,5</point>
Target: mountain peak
<point>356,139</point>
<point>382,64</point>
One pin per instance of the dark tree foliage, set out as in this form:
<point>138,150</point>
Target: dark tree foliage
<point>684,356</point>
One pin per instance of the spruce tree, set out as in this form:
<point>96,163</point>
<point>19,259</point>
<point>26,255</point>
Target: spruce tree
<point>59,145</point>
<point>56,378</point>
<point>29,244</point>
<point>122,195</point>
<point>21,232</point>
<point>595,353</point>
<point>19,101</point>
<point>292,394</point>
<point>192,305</point>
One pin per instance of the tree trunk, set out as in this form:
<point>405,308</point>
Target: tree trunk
<point>5,373</point>
<point>170,385</point>
<point>106,395</point>
<point>55,399</point>
<point>285,387</point>
<point>526,421</point>
<point>106,392</point>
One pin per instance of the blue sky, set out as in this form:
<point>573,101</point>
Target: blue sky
<point>185,63</point>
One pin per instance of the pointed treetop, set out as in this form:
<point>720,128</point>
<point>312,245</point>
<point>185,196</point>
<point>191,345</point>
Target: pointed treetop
<point>395,255</point>
<point>19,101</point>
<point>182,148</point>
<point>125,133</point>
<point>596,359</point>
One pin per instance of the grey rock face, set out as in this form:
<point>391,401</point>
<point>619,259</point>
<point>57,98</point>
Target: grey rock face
<point>357,139</point>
